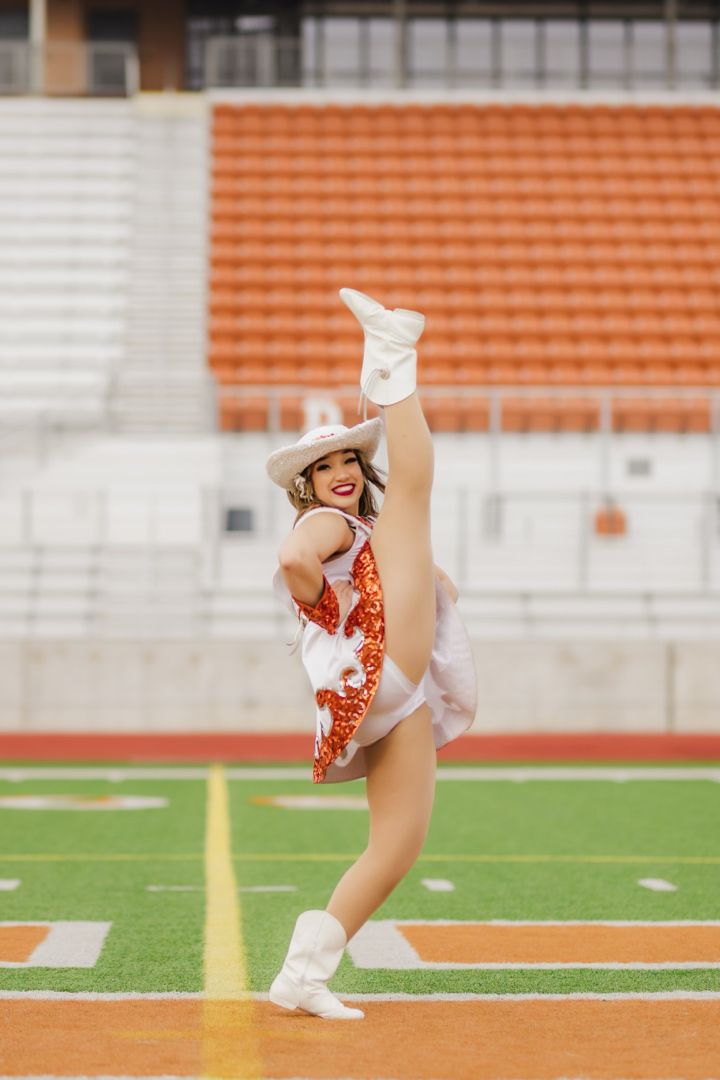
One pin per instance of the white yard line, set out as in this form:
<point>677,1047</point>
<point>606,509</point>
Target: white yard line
<point>657,884</point>
<point>255,995</point>
<point>513,774</point>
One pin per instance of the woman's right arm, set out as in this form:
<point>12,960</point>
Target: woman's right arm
<point>302,554</point>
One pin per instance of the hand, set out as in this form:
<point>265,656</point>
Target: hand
<point>344,592</point>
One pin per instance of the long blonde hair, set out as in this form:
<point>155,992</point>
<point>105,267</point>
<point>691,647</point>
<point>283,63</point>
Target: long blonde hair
<point>309,500</point>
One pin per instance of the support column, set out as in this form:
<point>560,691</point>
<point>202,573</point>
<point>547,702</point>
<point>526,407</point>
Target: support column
<point>401,58</point>
<point>671,12</point>
<point>38,37</point>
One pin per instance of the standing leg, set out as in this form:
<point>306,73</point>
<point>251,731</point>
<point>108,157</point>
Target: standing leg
<point>400,791</point>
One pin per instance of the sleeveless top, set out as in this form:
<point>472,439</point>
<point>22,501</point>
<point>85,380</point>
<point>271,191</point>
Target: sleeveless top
<point>343,659</point>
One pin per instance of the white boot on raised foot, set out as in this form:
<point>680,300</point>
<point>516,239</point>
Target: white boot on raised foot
<point>389,359</point>
<point>315,950</point>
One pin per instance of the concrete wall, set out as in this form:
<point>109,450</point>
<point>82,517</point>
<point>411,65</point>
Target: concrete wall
<point>243,686</point>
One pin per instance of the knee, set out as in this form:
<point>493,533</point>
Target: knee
<point>399,856</point>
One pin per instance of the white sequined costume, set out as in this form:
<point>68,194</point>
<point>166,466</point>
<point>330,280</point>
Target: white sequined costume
<point>345,661</point>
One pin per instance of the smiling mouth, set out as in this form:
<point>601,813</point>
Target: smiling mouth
<point>344,489</point>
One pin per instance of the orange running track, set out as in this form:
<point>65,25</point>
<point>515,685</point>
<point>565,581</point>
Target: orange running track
<point>636,1039</point>
<point>297,746</point>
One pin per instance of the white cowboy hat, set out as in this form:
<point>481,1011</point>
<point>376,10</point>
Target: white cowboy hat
<point>288,461</point>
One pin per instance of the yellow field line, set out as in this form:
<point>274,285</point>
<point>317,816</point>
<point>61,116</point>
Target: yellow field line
<point>700,859</point>
<point>248,856</point>
<point>162,856</point>
<point>229,1039</point>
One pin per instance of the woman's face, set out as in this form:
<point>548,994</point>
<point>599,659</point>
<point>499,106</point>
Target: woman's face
<point>338,480</point>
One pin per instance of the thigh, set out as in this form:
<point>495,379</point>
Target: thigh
<point>401,783</point>
<point>395,699</point>
<point>402,549</point>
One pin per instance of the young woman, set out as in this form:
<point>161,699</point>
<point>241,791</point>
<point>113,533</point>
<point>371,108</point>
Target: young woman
<point>383,645</point>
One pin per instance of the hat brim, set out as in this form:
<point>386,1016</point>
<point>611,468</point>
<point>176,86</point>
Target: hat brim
<point>288,461</point>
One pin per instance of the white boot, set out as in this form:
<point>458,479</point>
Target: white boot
<point>315,950</point>
<point>389,359</point>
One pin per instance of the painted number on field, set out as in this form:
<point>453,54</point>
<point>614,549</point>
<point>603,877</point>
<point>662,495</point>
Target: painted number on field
<point>52,944</point>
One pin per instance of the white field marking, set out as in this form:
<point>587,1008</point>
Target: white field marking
<point>380,945</point>
<point>82,802</point>
<point>67,945</point>
<point>259,995</point>
<point>550,922</point>
<point>618,774</point>
<point>657,884</point>
<point>314,802</point>
<point>175,888</point>
<point>241,888</point>
<point>268,888</point>
<point>438,884</point>
<point>8,884</point>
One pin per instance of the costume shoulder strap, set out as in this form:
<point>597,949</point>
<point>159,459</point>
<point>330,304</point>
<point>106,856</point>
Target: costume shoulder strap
<point>318,510</point>
<point>353,522</point>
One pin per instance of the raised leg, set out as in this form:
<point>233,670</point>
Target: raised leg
<point>401,536</point>
<point>401,541</point>
<point>400,791</point>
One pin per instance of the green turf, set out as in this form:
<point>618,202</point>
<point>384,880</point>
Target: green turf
<point>155,942</point>
<point>644,828</point>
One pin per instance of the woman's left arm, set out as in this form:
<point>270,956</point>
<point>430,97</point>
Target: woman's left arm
<point>448,585</point>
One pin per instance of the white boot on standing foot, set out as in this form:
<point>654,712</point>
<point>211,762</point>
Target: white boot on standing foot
<point>389,360</point>
<point>315,950</point>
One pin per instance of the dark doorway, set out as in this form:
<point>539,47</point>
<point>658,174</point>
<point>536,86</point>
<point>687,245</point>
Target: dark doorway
<point>112,25</point>
<point>107,31</point>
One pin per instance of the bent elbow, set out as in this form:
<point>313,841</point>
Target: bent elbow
<point>290,557</point>
<point>287,560</point>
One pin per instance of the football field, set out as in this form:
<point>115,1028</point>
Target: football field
<point>562,922</point>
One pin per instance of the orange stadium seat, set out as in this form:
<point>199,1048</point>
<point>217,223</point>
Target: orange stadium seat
<point>610,521</point>
<point>548,245</point>
<point>475,412</point>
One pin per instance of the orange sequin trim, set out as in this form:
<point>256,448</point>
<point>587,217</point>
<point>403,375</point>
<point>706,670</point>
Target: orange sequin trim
<point>326,612</point>
<point>348,709</point>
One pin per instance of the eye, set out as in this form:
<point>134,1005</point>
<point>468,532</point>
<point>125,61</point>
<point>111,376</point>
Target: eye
<point>351,458</point>
<point>319,467</point>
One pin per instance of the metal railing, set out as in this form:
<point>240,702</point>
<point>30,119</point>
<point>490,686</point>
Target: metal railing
<point>69,68</point>
<point>492,539</point>
<point>323,405</point>
<point>497,53</point>
<point>98,518</point>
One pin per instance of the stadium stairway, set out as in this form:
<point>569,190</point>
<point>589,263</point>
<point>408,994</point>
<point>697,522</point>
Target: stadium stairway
<point>103,225</point>
<point>163,383</point>
<point>66,187</point>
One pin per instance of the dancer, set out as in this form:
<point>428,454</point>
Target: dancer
<point>383,644</point>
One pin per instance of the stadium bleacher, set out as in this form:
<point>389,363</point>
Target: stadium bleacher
<point>549,246</point>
